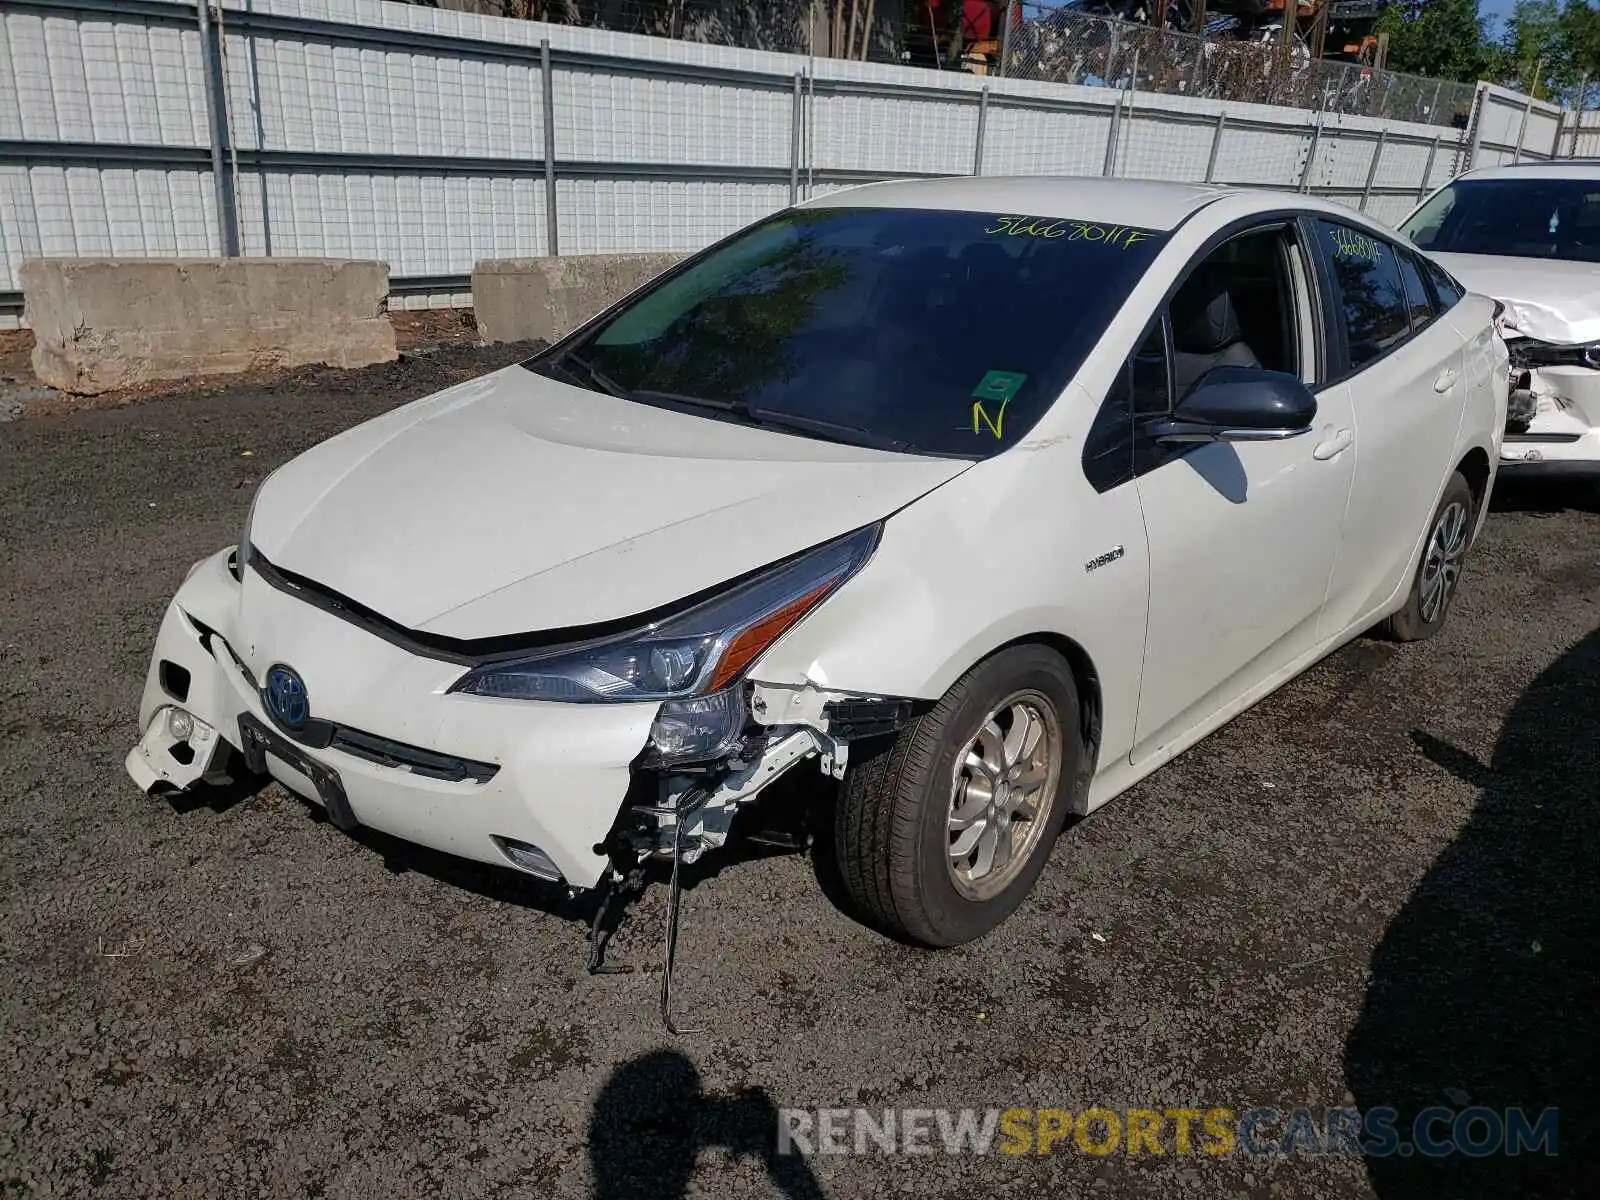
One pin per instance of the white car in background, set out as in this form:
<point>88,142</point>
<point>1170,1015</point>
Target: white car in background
<point>990,495</point>
<point>1529,236</point>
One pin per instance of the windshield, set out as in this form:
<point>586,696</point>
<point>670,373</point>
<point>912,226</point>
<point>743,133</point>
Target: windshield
<point>927,331</point>
<point>1525,218</point>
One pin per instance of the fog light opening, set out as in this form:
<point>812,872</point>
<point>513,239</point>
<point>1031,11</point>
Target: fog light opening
<point>529,858</point>
<point>180,724</point>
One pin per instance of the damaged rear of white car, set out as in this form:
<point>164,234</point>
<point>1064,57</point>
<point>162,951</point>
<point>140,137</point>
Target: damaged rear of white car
<point>1529,237</point>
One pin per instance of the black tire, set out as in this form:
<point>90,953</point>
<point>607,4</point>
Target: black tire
<point>892,834</point>
<point>1421,617</point>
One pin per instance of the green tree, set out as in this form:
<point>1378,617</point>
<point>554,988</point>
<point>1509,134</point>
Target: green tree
<point>1444,39</point>
<point>1550,51</point>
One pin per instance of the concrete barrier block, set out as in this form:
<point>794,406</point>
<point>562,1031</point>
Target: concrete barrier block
<point>101,324</point>
<point>519,299</point>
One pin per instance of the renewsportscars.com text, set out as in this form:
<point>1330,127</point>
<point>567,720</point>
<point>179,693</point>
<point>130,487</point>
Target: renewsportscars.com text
<point>1439,1132</point>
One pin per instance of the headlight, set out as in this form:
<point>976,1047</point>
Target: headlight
<point>695,653</point>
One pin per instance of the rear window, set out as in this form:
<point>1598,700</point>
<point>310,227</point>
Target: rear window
<point>936,332</point>
<point>1523,218</point>
<point>1371,293</point>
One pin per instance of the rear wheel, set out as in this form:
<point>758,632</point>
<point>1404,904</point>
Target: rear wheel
<point>1434,587</point>
<point>942,832</point>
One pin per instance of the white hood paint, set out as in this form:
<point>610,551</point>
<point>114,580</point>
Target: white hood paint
<point>515,503</point>
<point>1549,299</point>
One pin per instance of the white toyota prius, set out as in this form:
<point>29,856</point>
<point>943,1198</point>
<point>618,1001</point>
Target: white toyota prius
<point>987,495</point>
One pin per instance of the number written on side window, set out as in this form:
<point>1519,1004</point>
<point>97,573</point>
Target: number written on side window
<point>1370,292</point>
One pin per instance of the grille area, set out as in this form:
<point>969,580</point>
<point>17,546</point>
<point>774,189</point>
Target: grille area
<point>418,761</point>
<point>319,735</point>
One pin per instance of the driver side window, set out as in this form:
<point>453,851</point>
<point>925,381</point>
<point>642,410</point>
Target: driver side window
<point>1238,306</point>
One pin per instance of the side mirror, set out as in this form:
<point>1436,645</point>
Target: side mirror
<point>1239,404</point>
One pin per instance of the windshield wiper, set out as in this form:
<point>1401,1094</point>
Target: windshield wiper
<point>599,380</point>
<point>856,434</point>
<point>829,431</point>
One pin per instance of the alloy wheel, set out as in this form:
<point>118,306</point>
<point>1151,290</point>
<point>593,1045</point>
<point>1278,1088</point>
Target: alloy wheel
<point>1002,794</point>
<point>1441,563</point>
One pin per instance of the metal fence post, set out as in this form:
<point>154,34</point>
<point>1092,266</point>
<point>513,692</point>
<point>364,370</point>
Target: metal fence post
<point>1480,105</point>
<point>1427,171</point>
<point>794,143</point>
<point>983,116</point>
<point>1372,167</point>
<point>1311,153</point>
<point>1005,36</point>
<point>1216,145</point>
<point>1522,131</point>
<point>217,111</point>
<point>552,226</point>
<point>1111,138</point>
<point>811,132</point>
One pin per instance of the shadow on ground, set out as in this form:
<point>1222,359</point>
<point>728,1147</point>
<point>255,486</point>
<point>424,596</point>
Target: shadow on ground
<point>1553,495</point>
<point>651,1121</point>
<point>1485,990</point>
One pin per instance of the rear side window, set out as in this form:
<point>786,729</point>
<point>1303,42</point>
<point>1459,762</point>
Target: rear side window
<point>1368,291</point>
<point>1417,298</point>
<point>1445,287</point>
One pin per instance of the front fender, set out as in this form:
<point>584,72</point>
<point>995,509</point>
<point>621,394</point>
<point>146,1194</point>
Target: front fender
<point>1001,554</point>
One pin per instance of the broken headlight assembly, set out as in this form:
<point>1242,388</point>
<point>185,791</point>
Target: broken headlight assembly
<point>693,662</point>
<point>1529,354</point>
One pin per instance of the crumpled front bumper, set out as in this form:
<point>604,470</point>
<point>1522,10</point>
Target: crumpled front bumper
<point>1559,427</point>
<point>548,776</point>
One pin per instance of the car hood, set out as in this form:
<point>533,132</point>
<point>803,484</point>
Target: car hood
<point>515,503</point>
<point>1549,299</point>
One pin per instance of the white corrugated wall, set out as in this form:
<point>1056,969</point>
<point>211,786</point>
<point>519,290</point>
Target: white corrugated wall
<point>369,137</point>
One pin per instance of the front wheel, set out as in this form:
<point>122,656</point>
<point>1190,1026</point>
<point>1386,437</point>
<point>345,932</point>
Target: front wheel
<point>1434,586</point>
<point>942,832</point>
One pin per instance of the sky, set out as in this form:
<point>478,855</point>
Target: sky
<point>1499,9</point>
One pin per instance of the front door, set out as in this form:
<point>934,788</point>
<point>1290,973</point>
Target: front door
<point>1242,536</point>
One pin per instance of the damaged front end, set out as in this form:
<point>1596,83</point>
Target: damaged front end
<point>680,809</point>
<point>682,806</point>
<point>1553,409</point>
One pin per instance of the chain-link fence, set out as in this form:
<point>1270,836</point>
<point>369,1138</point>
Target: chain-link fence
<point>1080,43</point>
<point>1066,46</point>
<point>782,25</point>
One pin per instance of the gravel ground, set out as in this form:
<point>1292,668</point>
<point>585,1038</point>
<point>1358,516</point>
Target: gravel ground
<point>1376,888</point>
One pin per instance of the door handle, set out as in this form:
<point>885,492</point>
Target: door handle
<point>1447,380</point>
<point>1333,447</point>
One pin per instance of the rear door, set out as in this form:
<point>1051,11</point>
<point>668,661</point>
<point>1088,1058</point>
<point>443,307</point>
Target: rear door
<point>1406,370</point>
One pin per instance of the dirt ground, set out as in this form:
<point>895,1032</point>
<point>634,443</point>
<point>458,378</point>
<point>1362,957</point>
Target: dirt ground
<point>1377,888</point>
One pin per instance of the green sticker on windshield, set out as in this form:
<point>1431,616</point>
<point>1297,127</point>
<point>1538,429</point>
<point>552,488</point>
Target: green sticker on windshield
<point>999,385</point>
<point>996,385</point>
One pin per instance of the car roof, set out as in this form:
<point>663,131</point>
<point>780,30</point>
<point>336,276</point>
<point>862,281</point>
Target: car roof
<point>1566,168</point>
<point>1143,203</point>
